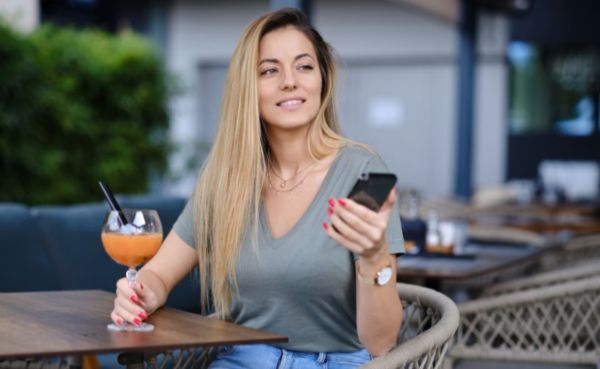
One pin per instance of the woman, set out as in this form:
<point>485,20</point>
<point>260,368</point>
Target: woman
<point>278,246</point>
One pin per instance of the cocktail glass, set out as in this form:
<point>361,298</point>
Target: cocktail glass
<point>131,238</point>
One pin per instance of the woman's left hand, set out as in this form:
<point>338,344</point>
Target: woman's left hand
<point>358,228</point>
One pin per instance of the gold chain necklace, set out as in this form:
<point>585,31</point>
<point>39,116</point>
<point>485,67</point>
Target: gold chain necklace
<point>284,181</point>
<point>283,189</point>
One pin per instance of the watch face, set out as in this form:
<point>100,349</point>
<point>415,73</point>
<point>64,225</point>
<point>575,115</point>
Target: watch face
<point>384,276</point>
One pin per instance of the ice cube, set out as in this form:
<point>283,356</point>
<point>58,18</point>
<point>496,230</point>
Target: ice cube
<point>113,221</point>
<point>128,229</point>
<point>113,226</point>
<point>139,220</point>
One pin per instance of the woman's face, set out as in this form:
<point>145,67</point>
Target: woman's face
<point>289,79</point>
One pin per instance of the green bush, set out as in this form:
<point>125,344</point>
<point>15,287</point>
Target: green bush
<point>79,106</point>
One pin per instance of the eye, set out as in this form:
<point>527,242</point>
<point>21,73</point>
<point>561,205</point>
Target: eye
<point>268,71</point>
<point>306,67</point>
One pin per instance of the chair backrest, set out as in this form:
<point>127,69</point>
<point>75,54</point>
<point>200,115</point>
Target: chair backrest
<point>430,320</point>
<point>553,324</point>
<point>25,264</point>
<point>577,250</point>
<point>580,271</point>
<point>72,236</point>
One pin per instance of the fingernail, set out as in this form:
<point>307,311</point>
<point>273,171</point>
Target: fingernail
<point>331,202</point>
<point>329,211</point>
<point>325,226</point>
<point>134,298</point>
<point>119,322</point>
<point>143,315</point>
<point>136,321</point>
<point>342,202</point>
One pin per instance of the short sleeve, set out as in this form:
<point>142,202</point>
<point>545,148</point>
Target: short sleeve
<point>394,231</point>
<point>184,226</point>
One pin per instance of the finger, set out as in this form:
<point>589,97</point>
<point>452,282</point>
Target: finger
<point>140,290</point>
<point>126,303</point>
<point>116,318</point>
<point>348,231</point>
<point>129,312</point>
<point>366,214</point>
<point>389,201</point>
<point>128,293</point>
<point>353,247</point>
<point>365,229</point>
<point>123,288</point>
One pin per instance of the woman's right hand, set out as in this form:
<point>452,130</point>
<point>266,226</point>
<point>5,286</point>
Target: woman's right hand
<point>133,305</point>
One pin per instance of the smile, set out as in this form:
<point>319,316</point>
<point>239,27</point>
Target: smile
<point>291,104</point>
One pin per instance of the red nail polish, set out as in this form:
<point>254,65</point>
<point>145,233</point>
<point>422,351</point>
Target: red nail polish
<point>143,315</point>
<point>329,211</point>
<point>134,298</point>
<point>119,322</point>
<point>331,202</point>
<point>325,226</point>
<point>342,202</point>
<point>136,321</point>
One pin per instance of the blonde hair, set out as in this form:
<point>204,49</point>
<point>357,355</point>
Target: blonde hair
<point>228,193</point>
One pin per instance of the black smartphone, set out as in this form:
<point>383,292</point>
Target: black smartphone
<point>371,189</point>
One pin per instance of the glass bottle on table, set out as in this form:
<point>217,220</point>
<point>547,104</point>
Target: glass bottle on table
<point>131,237</point>
<point>413,227</point>
<point>433,237</point>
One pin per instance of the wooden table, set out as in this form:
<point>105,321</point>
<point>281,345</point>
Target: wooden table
<point>61,323</point>
<point>540,218</point>
<point>488,259</point>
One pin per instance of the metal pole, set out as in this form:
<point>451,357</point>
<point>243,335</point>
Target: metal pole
<point>466,97</point>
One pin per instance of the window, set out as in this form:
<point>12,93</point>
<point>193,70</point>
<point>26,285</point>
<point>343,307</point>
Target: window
<point>553,90</point>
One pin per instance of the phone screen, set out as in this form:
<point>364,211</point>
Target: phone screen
<point>371,189</point>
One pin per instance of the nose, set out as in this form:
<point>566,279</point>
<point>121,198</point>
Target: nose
<point>288,82</point>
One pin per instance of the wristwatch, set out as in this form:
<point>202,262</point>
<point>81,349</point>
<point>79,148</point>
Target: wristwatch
<point>384,275</point>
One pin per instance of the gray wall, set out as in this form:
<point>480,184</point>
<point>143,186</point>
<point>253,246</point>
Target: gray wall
<point>397,84</point>
<point>21,14</point>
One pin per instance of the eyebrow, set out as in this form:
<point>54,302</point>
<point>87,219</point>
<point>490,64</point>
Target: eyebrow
<point>300,56</point>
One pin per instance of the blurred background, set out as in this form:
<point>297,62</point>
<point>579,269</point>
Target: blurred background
<point>459,97</point>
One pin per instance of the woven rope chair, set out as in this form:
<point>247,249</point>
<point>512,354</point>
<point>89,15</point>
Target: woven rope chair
<point>576,250</point>
<point>430,320</point>
<point>579,271</point>
<point>558,323</point>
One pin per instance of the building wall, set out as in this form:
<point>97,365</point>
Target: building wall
<point>199,32</point>
<point>398,88</point>
<point>21,14</point>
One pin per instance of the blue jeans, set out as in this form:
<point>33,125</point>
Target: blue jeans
<point>270,357</point>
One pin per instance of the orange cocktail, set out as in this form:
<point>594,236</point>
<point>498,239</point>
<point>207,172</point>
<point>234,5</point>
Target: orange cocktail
<point>131,250</point>
<point>131,237</point>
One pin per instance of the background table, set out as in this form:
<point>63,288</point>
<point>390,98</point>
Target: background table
<point>487,259</point>
<point>48,324</point>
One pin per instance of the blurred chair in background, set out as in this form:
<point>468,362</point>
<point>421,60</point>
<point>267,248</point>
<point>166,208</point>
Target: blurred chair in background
<point>549,319</point>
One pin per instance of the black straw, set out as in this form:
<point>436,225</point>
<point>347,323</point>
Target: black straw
<point>112,202</point>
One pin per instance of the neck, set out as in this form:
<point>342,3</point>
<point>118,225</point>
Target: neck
<point>289,151</point>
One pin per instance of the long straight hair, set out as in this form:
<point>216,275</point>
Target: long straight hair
<point>228,193</point>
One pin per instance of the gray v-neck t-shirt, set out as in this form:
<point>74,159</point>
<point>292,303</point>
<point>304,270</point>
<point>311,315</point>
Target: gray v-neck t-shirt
<point>303,284</point>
